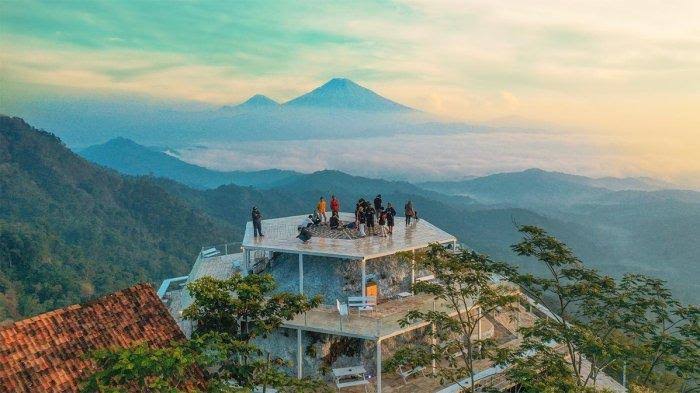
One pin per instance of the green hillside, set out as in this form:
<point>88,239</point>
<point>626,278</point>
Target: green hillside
<point>70,230</point>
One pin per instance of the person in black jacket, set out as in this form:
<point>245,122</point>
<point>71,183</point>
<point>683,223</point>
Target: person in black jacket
<point>369,217</point>
<point>257,222</point>
<point>334,222</point>
<point>378,204</point>
<point>390,213</point>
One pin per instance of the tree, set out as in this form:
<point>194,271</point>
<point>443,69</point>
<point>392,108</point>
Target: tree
<point>666,339</point>
<point>229,314</point>
<point>465,283</point>
<point>594,319</point>
<point>145,369</point>
<point>569,284</point>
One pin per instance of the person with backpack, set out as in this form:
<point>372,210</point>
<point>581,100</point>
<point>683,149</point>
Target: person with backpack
<point>408,211</point>
<point>369,217</point>
<point>390,213</point>
<point>257,222</point>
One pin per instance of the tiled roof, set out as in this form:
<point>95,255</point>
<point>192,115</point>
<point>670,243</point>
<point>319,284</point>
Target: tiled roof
<point>47,353</point>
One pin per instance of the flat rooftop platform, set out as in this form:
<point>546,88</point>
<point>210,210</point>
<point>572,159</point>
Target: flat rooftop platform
<point>280,236</point>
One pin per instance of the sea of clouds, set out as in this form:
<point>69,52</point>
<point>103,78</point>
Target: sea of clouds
<point>426,157</point>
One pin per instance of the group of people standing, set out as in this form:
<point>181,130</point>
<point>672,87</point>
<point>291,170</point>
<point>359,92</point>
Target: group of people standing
<point>371,218</point>
<point>367,214</point>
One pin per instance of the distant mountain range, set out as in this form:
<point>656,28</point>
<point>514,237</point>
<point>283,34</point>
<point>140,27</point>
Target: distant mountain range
<point>617,224</point>
<point>337,93</point>
<point>536,187</point>
<point>128,157</point>
<point>70,230</point>
<point>338,108</point>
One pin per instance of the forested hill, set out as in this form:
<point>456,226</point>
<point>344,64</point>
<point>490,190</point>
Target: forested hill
<point>70,230</point>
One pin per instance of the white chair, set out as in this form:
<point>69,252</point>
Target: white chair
<point>405,374</point>
<point>342,309</point>
<point>210,252</point>
<point>428,278</point>
<point>363,303</point>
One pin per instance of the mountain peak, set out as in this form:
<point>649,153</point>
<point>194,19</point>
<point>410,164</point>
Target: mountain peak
<point>342,93</point>
<point>256,102</point>
<point>259,100</point>
<point>340,83</point>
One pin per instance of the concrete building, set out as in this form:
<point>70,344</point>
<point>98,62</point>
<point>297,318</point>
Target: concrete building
<point>365,283</point>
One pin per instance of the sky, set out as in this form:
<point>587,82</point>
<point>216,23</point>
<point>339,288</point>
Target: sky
<point>622,70</point>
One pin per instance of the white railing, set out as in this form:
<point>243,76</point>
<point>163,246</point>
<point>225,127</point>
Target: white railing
<point>220,249</point>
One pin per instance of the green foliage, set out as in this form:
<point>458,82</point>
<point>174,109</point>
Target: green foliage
<point>464,281</point>
<point>634,321</point>
<point>145,369</point>
<point>70,230</point>
<point>230,313</point>
<point>545,371</point>
<point>243,306</point>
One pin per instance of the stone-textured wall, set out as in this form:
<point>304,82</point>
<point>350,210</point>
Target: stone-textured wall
<point>323,352</point>
<point>336,278</point>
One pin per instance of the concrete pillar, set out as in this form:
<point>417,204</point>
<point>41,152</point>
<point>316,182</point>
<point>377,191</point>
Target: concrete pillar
<point>478,324</point>
<point>364,278</point>
<point>301,273</point>
<point>413,269</point>
<point>379,366</point>
<point>246,256</point>
<point>433,343</point>
<point>300,354</point>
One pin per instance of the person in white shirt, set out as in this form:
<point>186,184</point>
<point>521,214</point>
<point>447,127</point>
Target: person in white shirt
<point>306,222</point>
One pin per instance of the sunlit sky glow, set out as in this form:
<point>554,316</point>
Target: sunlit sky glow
<point>625,68</point>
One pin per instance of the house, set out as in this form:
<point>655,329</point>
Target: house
<point>49,352</point>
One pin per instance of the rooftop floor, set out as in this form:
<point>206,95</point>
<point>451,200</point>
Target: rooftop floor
<point>280,235</point>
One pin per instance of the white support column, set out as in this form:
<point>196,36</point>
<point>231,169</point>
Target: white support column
<point>301,273</point>
<point>478,324</point>
<point>413,269</point>
<point>364,278</point>
<point>300,369</point>
<point>379,366</point>
<point>245,262</point>
<point>433,343</point>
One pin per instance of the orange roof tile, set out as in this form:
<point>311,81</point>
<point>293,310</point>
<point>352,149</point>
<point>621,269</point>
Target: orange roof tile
<point>46,353</point>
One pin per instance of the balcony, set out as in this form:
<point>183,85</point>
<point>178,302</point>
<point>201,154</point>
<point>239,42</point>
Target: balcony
<point>381,323</point>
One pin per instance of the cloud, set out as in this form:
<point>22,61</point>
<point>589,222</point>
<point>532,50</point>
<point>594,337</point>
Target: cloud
<point>412,157</point>
<point>624,68</point>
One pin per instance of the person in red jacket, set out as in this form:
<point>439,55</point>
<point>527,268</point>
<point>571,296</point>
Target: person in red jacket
<point>335,205</point>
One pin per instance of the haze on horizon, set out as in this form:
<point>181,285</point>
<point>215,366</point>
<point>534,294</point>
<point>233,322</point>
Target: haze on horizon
<point>625,76</point>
